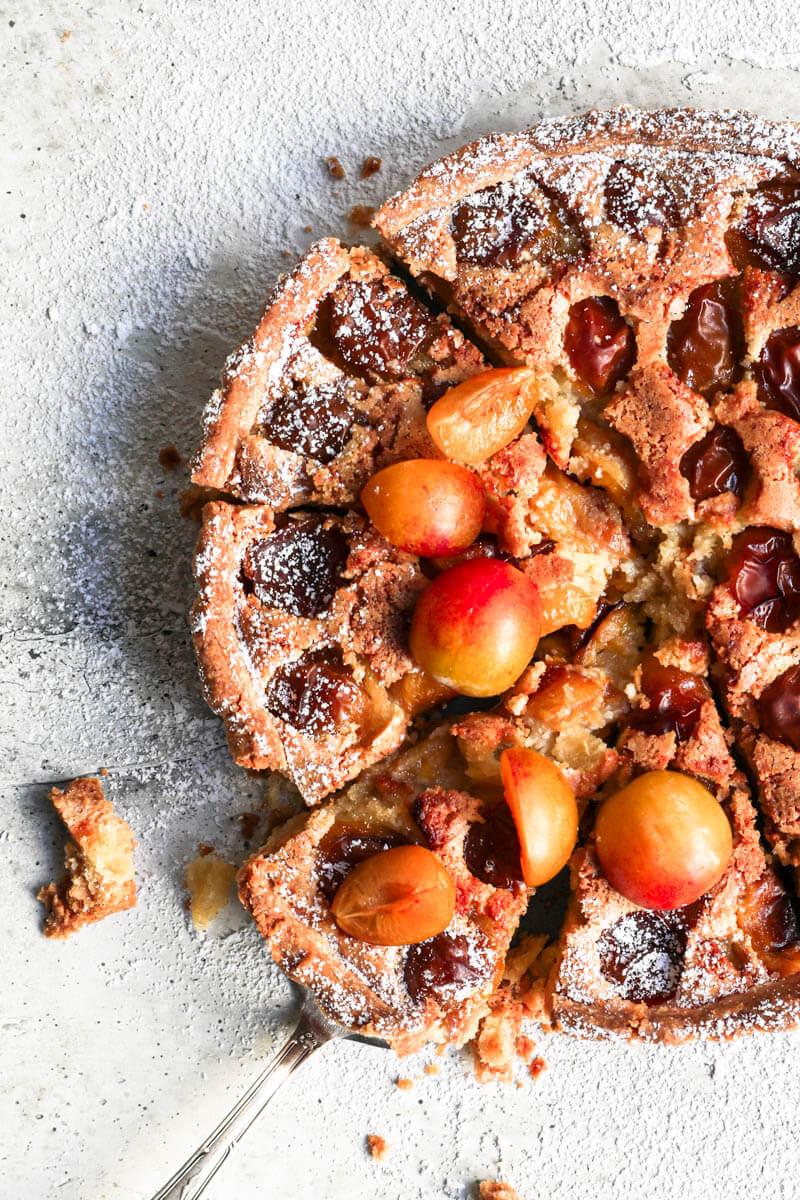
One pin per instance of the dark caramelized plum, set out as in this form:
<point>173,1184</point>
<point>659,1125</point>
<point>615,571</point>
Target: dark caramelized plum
<point>377,326</point>
<point>768,234</point>
<point>638,198</point>
<point>767,915</point>
<point>675,696</point>
<point>600,344</point>
<point>777,371</point>
<point>642,955</point>
<point>343,847</point>
<point>779,708</point>
<point>501,226</point>
<point>492,850</point>
<point>446,966</point>
<point>705,346</point>
<point>717,463</point>
<point>316,693</point>
<point>315,421</point>
<point>298,568</point>
<point>764,575</point>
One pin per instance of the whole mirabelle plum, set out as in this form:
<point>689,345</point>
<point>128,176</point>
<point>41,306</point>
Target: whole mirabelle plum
<point>426,506</point>
<point>544,810</point>
<point>476,626</point>
<point>663,840</point>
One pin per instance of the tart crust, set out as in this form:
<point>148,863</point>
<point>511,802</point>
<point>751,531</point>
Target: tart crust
<point>243,642</point>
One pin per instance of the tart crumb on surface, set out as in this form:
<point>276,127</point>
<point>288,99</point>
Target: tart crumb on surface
<point>377,1146</point>
<point>170,458</point>
<point>98,859</point>
<point>335,168</point>
<point>496,1190</point>
<point>208,880</point>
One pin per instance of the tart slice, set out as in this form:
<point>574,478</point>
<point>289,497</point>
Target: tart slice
<point>332,385</point>
<point>605,251</point>
<point>754,622</point>
<point>435,989</point>
<point>719,966</point>
<point>299,628</point>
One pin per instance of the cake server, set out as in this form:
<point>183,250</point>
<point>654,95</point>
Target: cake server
<point>312,1031</point>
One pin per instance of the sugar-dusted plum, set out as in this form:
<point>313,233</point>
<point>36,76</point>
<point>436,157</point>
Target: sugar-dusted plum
<point>545,814</point>
<point>663,840</point>
<point>476,626</point>
<point>480,416</point>
<point>426,506</point>
<point>396,898</point>
<point>768,233</point>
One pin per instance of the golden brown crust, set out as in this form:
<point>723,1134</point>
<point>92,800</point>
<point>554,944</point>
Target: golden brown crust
<point>498,157</point>
<point>99,861</point>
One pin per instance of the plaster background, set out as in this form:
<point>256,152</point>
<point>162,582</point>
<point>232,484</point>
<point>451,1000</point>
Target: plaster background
<point>156,161</point>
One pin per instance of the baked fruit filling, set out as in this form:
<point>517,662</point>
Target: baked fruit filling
<point>585,532</point>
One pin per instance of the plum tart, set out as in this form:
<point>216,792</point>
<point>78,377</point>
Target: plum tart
<point>536,456</point>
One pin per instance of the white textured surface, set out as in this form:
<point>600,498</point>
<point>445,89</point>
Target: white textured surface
<point>163,156</point>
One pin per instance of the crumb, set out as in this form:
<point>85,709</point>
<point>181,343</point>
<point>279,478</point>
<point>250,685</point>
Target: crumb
<point>160,494</point>
<point>361,215</point>
<point>334,167</point>
<point>525,1047</point>
<point>204,849</point>
<point>537,1066</point>
<point>370,166</point>
<point>377,1146</point>
<point>66,35</point>
<point>491,1190</point>
<point>440,1049</point>
<point>308,229</point>
<point>208,881</point>
<point>98,859</point>
<point>405,1085</point>
<point>287,253</point>
<point>169,458</point>
<point>248,823</point>
<point>432,1069</point>
<point>104,770</point>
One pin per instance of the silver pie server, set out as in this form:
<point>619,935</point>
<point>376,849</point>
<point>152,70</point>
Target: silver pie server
<point>312,1031</point>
